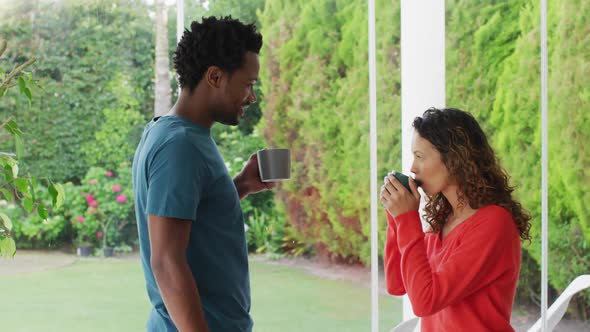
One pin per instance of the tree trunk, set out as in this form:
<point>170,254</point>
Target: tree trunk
<point>162,82</point>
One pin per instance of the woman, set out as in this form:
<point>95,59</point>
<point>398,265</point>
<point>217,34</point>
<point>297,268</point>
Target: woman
<point>461,274</point>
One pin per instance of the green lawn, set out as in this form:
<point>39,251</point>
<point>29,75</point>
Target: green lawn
<point>110,296</point>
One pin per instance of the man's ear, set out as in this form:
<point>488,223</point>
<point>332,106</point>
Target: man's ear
<point>214,76</point>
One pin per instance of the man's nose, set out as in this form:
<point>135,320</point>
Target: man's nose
<point>252,98</point>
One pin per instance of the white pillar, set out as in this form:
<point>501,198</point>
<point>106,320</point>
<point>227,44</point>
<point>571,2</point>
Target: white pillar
<point>422,72</point>
<point>373,161</point>
<point>179,19</point>
<point>179,30</point>
<point>544,169</point>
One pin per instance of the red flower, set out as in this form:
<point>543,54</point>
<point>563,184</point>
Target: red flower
<point>99,234</point>
<point>93,181</point>
<point>116,188</point>
<point>93,203</point>
<point>108,173</point>
<point>90,198</point>
<point>81,219</point>
<point>121,199</point>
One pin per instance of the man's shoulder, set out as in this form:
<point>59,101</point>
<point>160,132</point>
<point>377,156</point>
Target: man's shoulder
<point>173,134</point>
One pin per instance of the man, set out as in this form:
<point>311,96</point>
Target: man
<point>190,222</point>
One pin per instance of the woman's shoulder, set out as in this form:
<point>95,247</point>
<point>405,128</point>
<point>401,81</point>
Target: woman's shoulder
<point>493,218</point>
<point>495,211</point>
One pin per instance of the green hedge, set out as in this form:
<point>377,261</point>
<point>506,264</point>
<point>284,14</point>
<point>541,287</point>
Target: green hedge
<point>91,56</point>
<point>315,86</point>
<point>494,71</point>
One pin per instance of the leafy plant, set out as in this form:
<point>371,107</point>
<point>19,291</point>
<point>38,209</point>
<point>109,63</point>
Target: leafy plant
<point>294,244</point>
<point>265,233</point>
<point>13,185</point>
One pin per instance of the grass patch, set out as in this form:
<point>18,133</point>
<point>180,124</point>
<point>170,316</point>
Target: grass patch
<point>110,296</point>
<point>289,300</point>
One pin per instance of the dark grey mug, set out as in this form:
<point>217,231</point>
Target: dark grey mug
<point>274,164</point>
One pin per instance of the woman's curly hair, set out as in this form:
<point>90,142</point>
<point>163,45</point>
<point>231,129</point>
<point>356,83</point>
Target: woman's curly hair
<point>472,164</point>
<point>221,42</point>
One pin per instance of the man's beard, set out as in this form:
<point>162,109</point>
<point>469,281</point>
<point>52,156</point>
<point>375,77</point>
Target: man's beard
<point>227,118</point>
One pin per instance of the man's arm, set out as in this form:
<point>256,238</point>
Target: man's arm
<point>168,242</point>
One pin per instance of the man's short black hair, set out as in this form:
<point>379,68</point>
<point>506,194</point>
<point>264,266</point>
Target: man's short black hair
<point>221,42</point>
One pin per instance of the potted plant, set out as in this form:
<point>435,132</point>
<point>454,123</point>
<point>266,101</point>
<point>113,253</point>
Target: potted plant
<point>85,241</point>
<point>84,250</point>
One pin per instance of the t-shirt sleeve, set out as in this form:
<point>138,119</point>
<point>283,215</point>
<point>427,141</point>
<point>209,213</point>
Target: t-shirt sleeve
<point>176,176</point>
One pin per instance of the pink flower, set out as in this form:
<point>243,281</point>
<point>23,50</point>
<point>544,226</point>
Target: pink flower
<point>116,188</point>
<point>121,199</point>
<point>93,204</point>
<point>92,211</point>
<point>99,234</point>
<point>93,181</point>
<point>81,219</point>
<point>108,173</point>
<point>90,198</point>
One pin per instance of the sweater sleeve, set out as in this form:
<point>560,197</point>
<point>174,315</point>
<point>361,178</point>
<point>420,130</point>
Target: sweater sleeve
<point>473,264</point>
<point>392,260</point>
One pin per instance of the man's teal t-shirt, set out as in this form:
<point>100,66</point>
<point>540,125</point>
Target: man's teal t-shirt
<point>178,172</point>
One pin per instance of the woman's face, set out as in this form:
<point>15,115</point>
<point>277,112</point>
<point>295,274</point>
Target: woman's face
<point>428,166</point>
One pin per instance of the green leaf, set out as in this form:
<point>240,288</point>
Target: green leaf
<point>53,192</point>
<point>12,127</point>
<point>10,164</point>
<point>6,194</point>
<point>6,221</point>
<point>58,194</point>
<point>14,170</point>
<point>28,204</point>
<point>42,212</point>
<point>32,186</point>
<point>21,184</point>
<point>28,94</point>
<point>19,146</point>
<point>8,247</point>
<point>22,85</point>
<point>8,172</point>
